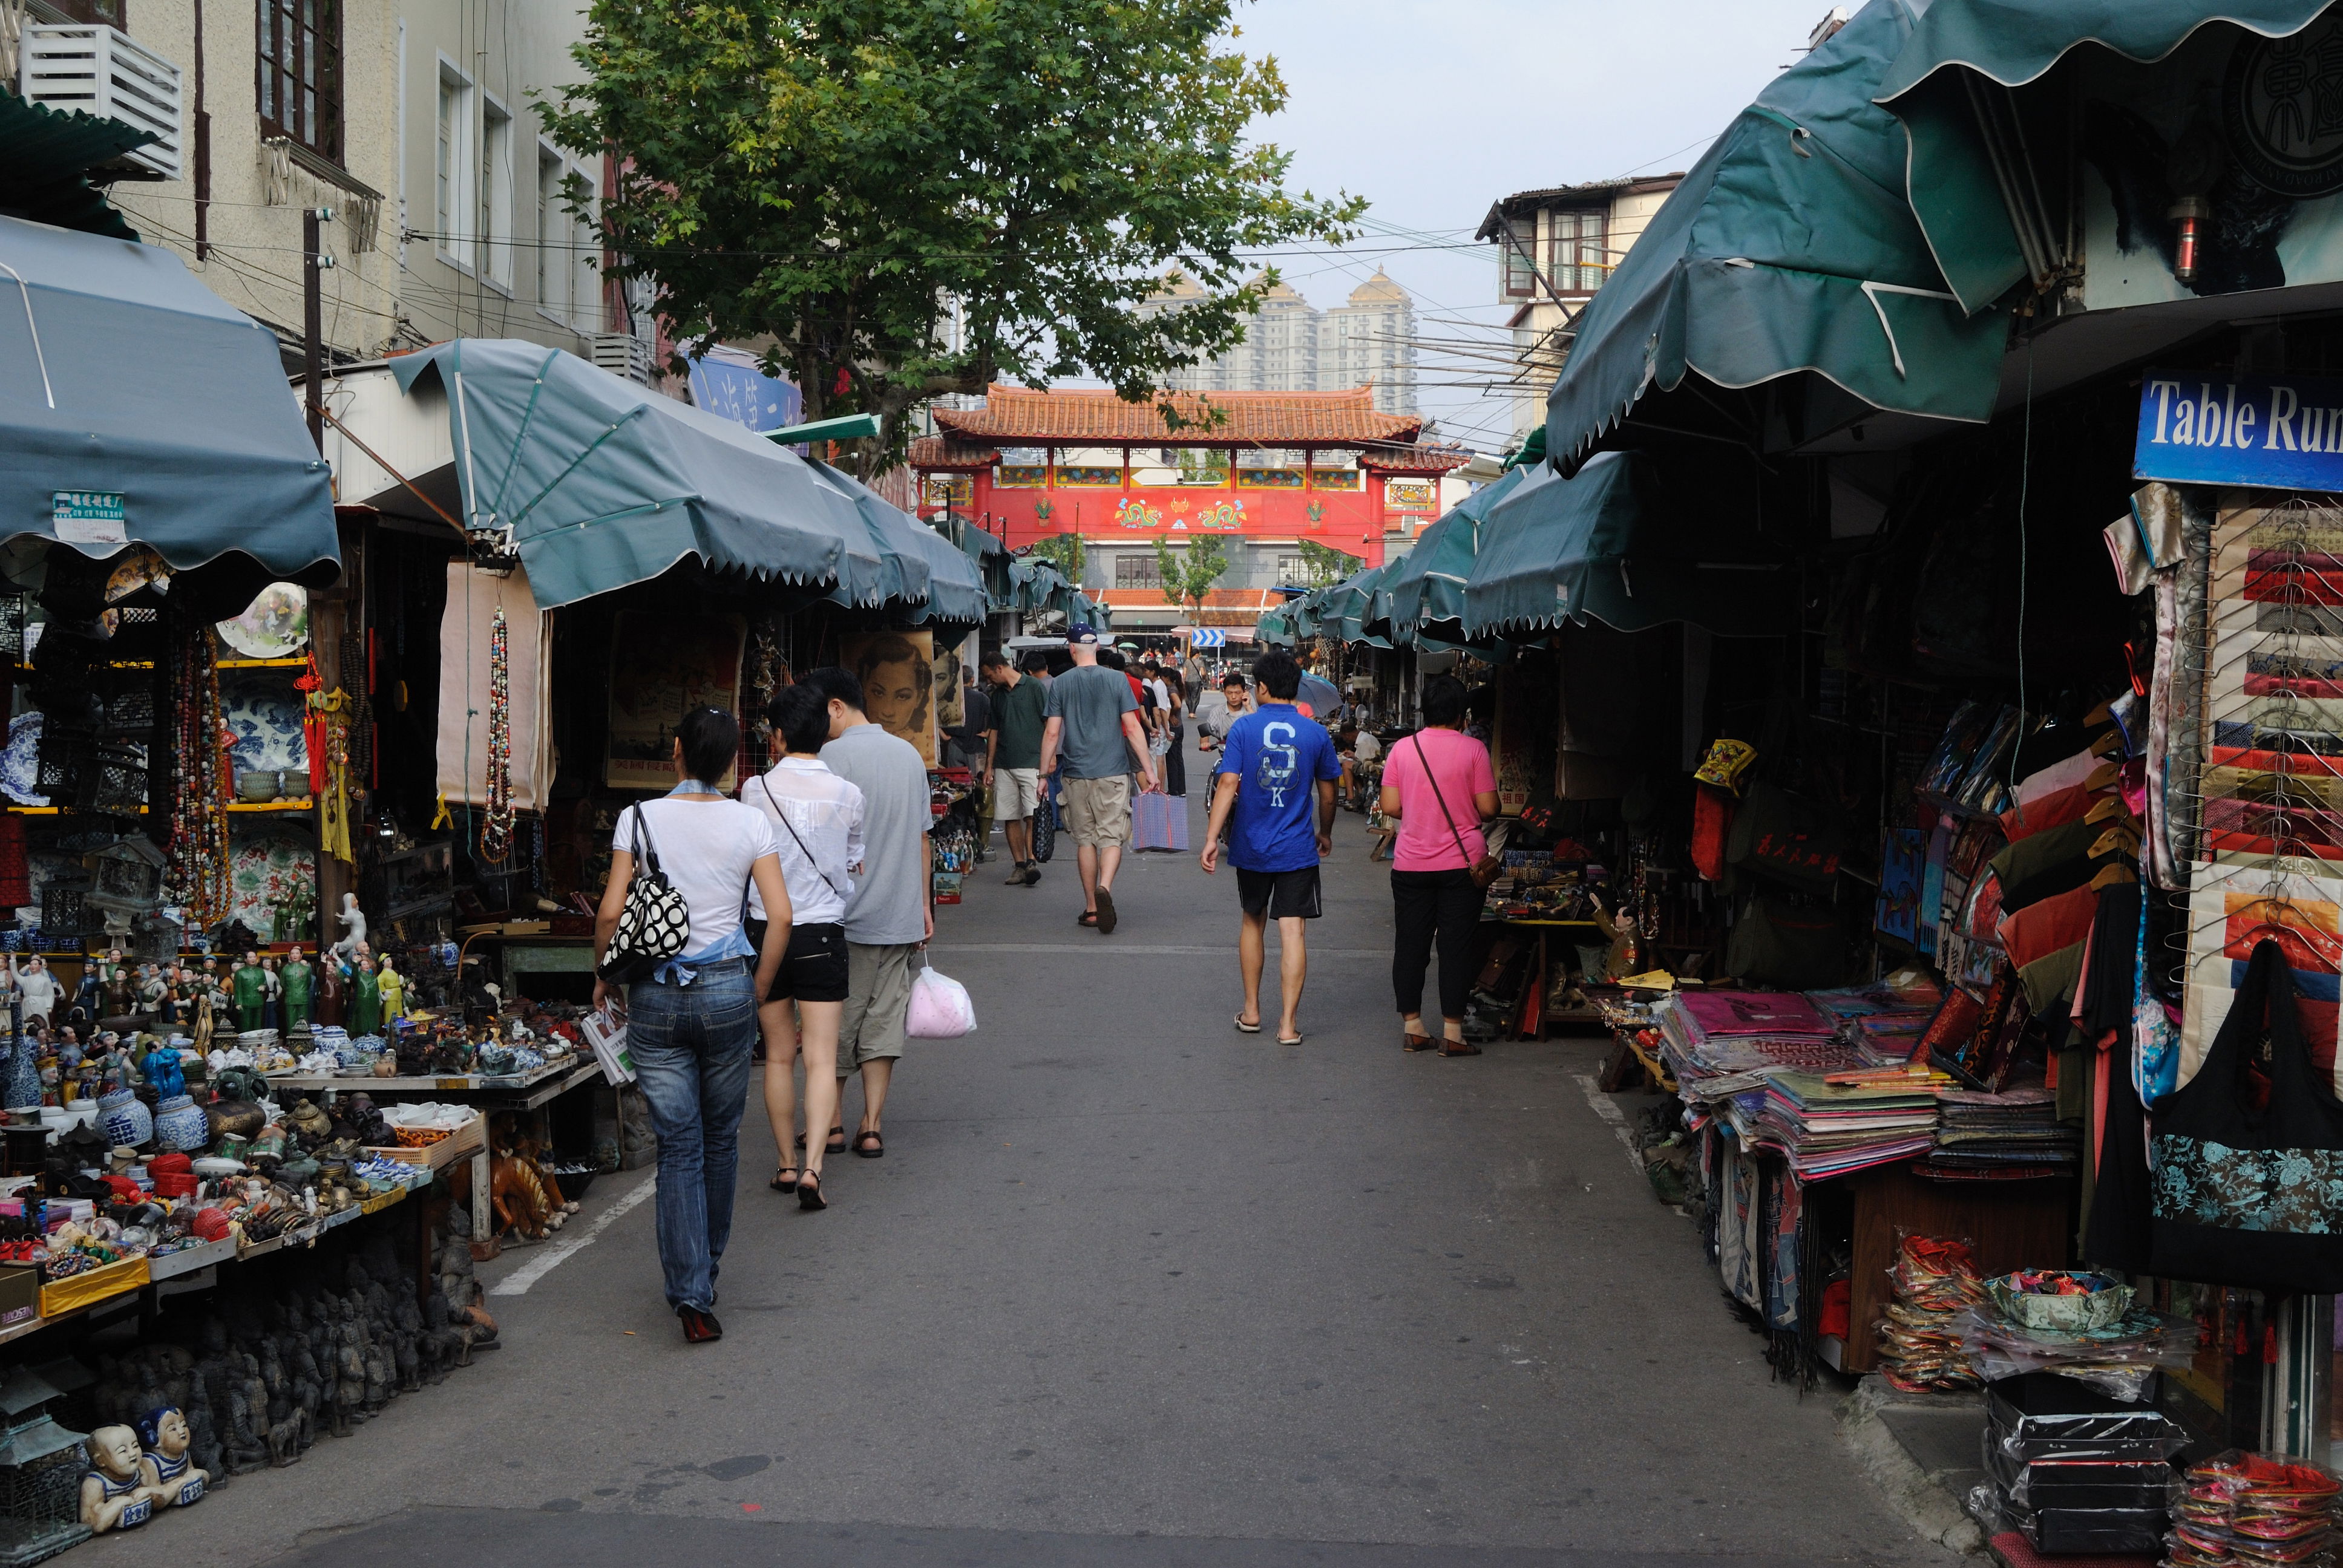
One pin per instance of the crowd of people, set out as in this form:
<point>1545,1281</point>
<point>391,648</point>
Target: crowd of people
<point>807,897</point>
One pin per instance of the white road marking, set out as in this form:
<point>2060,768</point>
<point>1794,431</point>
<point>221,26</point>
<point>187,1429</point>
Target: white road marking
<point>1612,1114</point>
<point>557,1253</point>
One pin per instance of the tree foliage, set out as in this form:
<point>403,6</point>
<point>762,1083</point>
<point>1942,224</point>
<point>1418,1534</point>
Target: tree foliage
<point>1323,566</point>
<point>1188,575</point>
<point>1067,553</point>
<point>841,176</point>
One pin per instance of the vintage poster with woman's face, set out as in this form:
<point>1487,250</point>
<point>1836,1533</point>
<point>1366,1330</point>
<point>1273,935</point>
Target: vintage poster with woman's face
<point>897,669</point>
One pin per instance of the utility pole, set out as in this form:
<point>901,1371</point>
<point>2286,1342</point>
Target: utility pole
<point>314,263</point>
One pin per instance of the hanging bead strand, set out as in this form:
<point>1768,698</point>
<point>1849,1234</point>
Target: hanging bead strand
<point>496,823</point>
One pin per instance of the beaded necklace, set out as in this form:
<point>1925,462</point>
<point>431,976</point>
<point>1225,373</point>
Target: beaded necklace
<point>496,825</point>
<point>200,744</point>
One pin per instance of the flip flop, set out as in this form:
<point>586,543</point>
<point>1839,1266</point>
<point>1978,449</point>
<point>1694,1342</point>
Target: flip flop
<point>1105,913</point>
<point>1295,1041</point>
<point>1244,1028</point>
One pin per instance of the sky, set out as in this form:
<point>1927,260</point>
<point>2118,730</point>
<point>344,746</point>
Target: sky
<point>1433,109</point>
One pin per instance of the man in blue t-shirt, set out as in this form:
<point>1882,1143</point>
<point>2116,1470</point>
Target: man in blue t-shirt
<point>1274,791</point>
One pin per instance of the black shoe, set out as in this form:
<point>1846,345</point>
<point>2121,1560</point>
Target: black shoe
<point>1032,873</point>
<point>809,1191</point>
<point>699,1328</point>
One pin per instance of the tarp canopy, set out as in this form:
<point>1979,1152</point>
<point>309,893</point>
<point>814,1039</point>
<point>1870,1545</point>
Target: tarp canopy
<point>1954,192</point>
<point>601,483</point>
<point>1347,605</point>
<point>1789,247</point>
<point>1613,544</point>
<point>1275,627</point>
<point>127,381</point>
<point>990,556</point>
<point>934,581</point>
<point>1427,584</point>
<point>46,157</point>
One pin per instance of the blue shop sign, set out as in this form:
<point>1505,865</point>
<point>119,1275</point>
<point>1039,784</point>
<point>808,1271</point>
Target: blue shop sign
<point>2207,427</point>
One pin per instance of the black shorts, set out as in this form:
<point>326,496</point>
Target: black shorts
<point>813,967</point>
<point>1281,895</point>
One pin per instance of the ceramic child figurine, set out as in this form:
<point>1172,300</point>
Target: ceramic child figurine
<point>297,978</point>
<point>394,992</point>
<point>272,1007</point>
<point>171,1477</point>
<point>114,1494</point>
<point>251,992</point>
<point>163,1069</point>
<point>333,990</point>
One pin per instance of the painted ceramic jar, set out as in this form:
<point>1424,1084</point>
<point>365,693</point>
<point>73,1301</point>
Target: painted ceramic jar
<point>124,1118</point>
<point>180,1125</point>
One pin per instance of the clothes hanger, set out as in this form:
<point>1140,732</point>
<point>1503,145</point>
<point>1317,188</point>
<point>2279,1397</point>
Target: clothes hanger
<point>2113,805</point>
<point>2105,776</point>
<point>2113,874</point>
<point>2108,744</point>
<point>2123,836</point>
<point>2103,714</point>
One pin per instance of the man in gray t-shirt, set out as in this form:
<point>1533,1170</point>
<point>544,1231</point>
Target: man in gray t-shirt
<point>1093,728</point>
<point>889,916</point>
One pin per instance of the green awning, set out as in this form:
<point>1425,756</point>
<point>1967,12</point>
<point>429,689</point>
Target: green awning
<point>1275,627</point>
<point>927,576</point>
<point>1955,191</point>
<point>1612,544</point>
<point>1348,605</point>
<point>1427,586</point>
<point>46,157</point>
<point>1789,247</point>
<point>600,483</point>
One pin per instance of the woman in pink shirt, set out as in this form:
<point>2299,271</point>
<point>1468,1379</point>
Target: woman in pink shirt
<point>1440,786</point>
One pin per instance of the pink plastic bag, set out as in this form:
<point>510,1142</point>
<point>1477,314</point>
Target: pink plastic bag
<point>940,1007</point>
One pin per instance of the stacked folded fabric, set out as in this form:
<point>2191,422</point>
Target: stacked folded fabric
<point>1826,1129</point>
<point>1707,1034</point>
<point>2012,1134</point>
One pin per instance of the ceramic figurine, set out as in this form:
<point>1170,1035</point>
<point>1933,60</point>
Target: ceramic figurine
<point>163,1069</point>
<point>354,922</point>
<point>365,999</point>
<point>333,993</point>
<point>271,1009</point>
<point>114,1494</point>
<point>35,985</point>
<point>297,978</point>
<point>171,1477</point>
<point>251,992</point>
<point>393,986</point>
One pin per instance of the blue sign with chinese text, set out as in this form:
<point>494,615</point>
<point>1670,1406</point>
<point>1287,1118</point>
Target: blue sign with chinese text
<point>738,390</point>
<point>2210,427</point>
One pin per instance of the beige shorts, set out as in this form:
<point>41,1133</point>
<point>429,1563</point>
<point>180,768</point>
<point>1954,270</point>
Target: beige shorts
<point>878,1002</point>
<point>1016,792</point>
<point>1098,811</point>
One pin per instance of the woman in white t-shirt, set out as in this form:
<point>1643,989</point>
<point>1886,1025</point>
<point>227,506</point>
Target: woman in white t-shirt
<point>691,1026</point>
<point>817,823</point>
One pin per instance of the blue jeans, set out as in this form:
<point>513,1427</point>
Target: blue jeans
<point>690,1045</point>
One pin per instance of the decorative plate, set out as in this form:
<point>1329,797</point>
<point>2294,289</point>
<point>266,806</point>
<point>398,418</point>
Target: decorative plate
<point>263,712</point>
<point>264,871</point>
<point>20,762</point>
<point>275,626</point>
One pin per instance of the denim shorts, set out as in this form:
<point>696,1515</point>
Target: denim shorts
<point>813,968</point>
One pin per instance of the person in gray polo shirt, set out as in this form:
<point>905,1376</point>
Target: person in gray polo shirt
<point>1093,731</point>
<point>889,916</point>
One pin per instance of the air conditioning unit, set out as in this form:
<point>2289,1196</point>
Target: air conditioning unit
<point>621,354</point>
<point>99,71</point>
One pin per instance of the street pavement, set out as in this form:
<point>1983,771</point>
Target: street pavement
<point>1129,1289</point>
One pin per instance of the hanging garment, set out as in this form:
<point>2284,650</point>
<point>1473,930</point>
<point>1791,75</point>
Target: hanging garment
<point>2249,1187</point>
<point>468,703</point>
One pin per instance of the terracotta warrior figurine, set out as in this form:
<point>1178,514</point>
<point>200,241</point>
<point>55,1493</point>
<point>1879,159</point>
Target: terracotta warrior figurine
<point>114,1494</point>
<point>171,1477</point>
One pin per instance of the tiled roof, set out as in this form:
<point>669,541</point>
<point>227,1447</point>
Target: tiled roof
<point>1017,415</point>
<point>1603,191</point>
<point>1425,459</point>
<point>942,452</point>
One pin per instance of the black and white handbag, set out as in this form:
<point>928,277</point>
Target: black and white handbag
<point>655,922</point>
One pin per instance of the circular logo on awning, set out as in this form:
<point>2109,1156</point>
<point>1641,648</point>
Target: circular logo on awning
<point>2283,109</point>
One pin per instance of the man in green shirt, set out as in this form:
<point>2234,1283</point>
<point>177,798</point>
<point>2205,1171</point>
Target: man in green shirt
<point>1013,757</point>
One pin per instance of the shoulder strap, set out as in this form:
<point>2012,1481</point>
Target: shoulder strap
<point>646,847</point>
<point>1431,778</point>
<point>809,854</point>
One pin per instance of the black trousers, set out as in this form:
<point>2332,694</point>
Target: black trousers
<point>1425,906</point>
<point>1175,763</point>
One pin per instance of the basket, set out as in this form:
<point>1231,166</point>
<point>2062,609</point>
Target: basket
<point>2102,1303</point>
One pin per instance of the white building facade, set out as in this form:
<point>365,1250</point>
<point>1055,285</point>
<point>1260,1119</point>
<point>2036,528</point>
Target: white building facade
<point>1290,346</point>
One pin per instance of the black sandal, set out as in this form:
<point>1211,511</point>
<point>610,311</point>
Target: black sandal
<point>785,1179</point>
<point>809,1191</point>
<point>836,1143</point>
<point>1459,1048</point>
<point>878,1150</point>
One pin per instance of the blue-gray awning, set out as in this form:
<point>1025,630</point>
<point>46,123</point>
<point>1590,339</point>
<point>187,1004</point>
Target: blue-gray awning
<point>1427,584</point>
<point>1614,544</point>
<point>926,573</point>
<point>600,483</point>
<point>123,377</point>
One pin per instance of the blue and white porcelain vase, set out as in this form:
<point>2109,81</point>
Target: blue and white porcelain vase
<point>124,1118</point>
<point>180,1127</point>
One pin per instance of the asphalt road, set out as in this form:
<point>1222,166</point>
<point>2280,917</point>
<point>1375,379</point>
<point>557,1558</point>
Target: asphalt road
<point>1129,1289</point>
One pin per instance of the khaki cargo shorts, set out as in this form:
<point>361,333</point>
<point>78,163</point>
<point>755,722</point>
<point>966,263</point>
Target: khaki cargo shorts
<point>1098,811</point>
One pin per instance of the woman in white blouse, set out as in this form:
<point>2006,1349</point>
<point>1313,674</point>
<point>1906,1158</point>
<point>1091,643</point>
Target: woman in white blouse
<point>817,819</point>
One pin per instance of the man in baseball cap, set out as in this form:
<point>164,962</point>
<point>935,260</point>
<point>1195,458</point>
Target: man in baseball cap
<point>1093,728</point>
